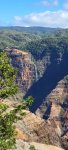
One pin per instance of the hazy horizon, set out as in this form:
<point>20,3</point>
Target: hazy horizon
<point>9,26</point>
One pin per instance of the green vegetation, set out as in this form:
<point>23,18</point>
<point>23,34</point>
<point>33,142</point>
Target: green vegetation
<point>7,87</point>
<point>7,116</point>
<point>39,41</point>
<point>3,107</point>
<point>7,129</point>
<point>12,38</point>
<point>32,147</point>
<point>7,77</point>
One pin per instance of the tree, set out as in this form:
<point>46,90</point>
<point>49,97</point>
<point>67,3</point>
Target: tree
<point>7,129</point>
<point>8,87</point>
<point>7,77</point>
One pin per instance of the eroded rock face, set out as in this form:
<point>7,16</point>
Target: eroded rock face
<point>31,128</point>
<point>55,100</point>
<point>55,108</point>
<point>22,62</point>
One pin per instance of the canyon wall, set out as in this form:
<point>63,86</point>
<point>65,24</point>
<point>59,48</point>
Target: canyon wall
<point>25,67</point>
<point>46,81</point>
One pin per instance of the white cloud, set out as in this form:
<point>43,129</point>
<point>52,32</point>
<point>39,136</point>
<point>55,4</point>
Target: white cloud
<point>46,19</point>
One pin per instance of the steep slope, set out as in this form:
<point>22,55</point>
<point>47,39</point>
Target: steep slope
<point>36,129</point>
<point>50,90</point>
<point>55,99</point>
<point>26,71</point>
<point>53,74</point>
<point>31,128</point>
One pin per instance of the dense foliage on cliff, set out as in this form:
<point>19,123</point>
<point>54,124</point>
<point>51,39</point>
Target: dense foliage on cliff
<point>45,46</point>
<point>7,77</point>
<point>7,87</point>
<point>37,40</point>
<point>7,118</point>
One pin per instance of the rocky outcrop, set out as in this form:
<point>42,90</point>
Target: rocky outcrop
<point>55,100</point>
<point>26,145</point>
<point>31,128</point>
<point>26,69</point>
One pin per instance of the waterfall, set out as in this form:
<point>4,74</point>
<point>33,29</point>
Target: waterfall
<point>36,72</point>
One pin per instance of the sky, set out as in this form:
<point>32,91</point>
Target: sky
<point>46,13</point>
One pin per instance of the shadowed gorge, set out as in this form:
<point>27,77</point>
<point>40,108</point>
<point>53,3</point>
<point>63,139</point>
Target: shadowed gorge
<point>54,73</point>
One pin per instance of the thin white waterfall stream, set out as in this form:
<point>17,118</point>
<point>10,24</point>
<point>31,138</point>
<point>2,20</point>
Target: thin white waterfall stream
<point>36,72</point>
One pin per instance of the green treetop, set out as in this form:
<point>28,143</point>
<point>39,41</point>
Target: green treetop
<point>7,77</point>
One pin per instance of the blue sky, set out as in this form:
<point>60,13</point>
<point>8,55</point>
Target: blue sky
<point>51,13</point>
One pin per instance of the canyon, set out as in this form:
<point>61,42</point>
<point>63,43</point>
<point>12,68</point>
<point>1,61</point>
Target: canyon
<point>47,82</point>
<point>40,57</point>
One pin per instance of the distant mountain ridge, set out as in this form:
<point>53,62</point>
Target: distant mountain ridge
<point>33,29</point>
